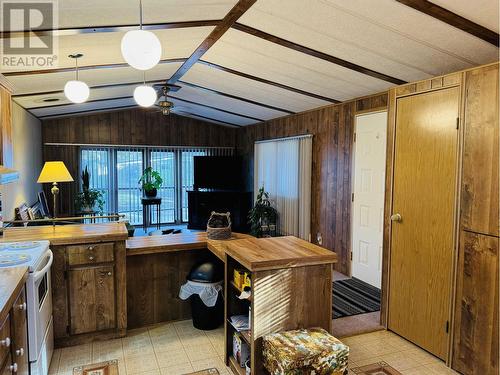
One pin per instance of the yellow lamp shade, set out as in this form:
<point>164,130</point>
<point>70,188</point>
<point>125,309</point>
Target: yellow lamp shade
<point>54,171</point>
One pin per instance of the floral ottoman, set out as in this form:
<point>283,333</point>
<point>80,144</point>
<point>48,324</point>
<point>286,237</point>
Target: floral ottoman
<point>304,351</point>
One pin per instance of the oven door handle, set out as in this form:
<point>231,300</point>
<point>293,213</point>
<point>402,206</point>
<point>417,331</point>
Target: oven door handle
<point>39,274</point>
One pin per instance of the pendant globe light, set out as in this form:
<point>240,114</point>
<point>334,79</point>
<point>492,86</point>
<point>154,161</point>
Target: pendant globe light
<point>141,49</point>
<point>75,90</point>
<point>145,95</point>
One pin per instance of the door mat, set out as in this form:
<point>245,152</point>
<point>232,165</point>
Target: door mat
<point>102,368</point>
<point>353,297</point>
<point>379,368</point>
<point>208,371</point>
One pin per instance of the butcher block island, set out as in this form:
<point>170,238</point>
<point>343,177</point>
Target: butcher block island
<point>104,282</point>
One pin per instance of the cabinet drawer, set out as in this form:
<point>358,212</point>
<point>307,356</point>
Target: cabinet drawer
<point>5,339</point>
<point>90,254</point>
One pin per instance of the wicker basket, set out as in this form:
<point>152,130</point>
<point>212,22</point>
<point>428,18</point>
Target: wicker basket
<point>219,233</point>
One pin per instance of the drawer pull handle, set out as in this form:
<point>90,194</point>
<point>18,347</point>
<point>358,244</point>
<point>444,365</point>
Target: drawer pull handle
<point>13,367</point>
<point>20,352</point>
<point>91,257</point>
<point>22,306</point>
<point>5,342</point>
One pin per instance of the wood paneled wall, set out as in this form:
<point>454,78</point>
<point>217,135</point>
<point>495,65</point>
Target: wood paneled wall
<point>127,127</point>
<point>332,128</point>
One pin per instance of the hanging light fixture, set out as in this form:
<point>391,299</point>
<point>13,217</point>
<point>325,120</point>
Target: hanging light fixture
<point>141,49</point>
<point>145,95</point>
<point>76,91</point>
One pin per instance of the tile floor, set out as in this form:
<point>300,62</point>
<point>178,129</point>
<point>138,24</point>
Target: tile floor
<point>178,348</point>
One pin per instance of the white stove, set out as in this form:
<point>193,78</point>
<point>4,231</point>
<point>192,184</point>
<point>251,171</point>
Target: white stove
<point>37,256</point>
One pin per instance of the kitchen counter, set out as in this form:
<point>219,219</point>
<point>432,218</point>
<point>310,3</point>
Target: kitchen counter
<point>68,234</point>
<point>11,282</point>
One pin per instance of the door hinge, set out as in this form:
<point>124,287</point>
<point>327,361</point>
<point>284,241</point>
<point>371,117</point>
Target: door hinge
<point>458,122</point>
<point>351,256</point>
<point>354,136</point>
<point>447,327</point>
<point>352,197</point>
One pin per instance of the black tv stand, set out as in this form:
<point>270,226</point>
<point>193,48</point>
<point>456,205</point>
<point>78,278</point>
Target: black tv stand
<point>202,202</point>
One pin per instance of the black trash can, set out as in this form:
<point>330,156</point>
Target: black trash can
<point>206,317</point>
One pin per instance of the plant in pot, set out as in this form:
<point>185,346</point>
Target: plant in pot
<point>150,181</point>
<point>262,217</point>
<point>88,200</point>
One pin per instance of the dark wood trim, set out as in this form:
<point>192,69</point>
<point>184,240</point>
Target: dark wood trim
<point>189,84</point>
<point>85,67</point>
<point>453,19</point>
<point>89,112</point>
<point>236,12</point>
<point>194,115</point>
<point>64,31</point>
<point>320,55</point>
<point>216,109</point>
<point>70,104</point>
<point>266,81</point>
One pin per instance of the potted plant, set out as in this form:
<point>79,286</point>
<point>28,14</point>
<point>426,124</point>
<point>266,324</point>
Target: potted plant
<point>262,217</point>
<point>88,200</point>
<point>150,181</point>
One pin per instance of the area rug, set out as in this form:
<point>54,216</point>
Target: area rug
<point>209,371</point>
<point>102,368</point>
<point>379,368</point>
<point>353,297</point>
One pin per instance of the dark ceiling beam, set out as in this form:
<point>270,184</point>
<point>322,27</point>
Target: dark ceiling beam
<point>64,31</point>
<point>130,97</point>
<point>195,86</point>
<point>268,82</point>
<point>229,20</point>
<point>453,19</point>
<point>84,67</point>
<point>215,108</point>
<point>87,112</point>
<point>320,55</point>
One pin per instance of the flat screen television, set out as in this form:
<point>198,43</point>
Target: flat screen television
<point>217,172</point>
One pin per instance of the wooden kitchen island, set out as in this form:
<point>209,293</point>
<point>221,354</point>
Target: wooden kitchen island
<point>104,282</point>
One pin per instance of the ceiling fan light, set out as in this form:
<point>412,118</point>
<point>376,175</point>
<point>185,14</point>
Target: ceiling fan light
<point>141,49</point>
<point>145,96</point>
<point>76,91</point>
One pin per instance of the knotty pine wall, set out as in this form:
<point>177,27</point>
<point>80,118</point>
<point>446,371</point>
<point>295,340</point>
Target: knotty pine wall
<point>332,128</point>
<point>126,127</point>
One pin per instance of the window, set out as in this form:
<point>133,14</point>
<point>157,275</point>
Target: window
<point>116,171</point>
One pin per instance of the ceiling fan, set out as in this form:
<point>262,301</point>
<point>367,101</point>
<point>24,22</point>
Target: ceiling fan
<point>163,105</point>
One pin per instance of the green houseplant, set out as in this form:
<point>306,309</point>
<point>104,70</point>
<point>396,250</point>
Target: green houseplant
<point>88,200</point>
<point>263,215</point>
<point>150,181</point>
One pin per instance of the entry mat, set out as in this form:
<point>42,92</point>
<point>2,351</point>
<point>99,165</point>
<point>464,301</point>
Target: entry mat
<point>111,368</point>
<point>379,368</point>
<point>353,297</point>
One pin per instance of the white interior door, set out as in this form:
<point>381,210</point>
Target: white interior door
<point>368,203</point>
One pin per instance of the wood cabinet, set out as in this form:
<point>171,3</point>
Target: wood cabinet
<point>89,292</point>
<point>14,339</point>
<point>475,338</point>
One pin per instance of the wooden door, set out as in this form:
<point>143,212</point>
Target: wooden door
<point>369,191</point>
<point>20,335</point>
<point>92,299</point>
<point>424,196</point>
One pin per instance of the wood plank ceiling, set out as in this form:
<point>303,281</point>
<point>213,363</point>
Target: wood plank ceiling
<point>241,62</point>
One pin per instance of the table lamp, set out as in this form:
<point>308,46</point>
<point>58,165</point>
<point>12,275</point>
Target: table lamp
<point>54,172</point>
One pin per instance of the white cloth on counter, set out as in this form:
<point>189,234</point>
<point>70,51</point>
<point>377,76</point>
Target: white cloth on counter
<point>208,292</point>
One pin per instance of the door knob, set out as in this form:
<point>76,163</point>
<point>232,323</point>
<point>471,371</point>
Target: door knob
<point>13,367</point>
<point>397,218</point>
<point>20,352</point>
<point>22,306</point>
<point>5,342</point>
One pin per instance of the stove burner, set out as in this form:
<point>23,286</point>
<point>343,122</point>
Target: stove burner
<point>9,260</point>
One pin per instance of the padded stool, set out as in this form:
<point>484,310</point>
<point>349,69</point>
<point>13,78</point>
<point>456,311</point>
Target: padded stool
<point>303,351</point>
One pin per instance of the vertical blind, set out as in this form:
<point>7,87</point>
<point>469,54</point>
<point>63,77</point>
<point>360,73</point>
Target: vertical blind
<point>283,168</point>
<point>117,170</point>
